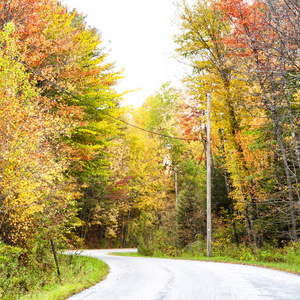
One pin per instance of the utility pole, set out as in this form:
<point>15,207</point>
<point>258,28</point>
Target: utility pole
<point>208,168</point>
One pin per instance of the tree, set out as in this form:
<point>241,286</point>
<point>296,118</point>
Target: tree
<point>58,49</point>
<point>67,63</point>
<point>34,191</point>
<point>201,45</point>
<point>265,35</point>
<point>191,215</point>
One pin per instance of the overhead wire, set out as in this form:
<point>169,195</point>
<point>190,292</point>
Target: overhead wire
<point>97,109</point>
<point>88,104</point>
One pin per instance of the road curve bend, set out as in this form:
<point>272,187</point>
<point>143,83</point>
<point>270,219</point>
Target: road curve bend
<point>139,278</point>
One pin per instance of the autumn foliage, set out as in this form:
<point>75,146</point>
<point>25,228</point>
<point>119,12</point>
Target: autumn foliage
<point>70,172</point>
<point>47,136</point>
<point>244,53</point>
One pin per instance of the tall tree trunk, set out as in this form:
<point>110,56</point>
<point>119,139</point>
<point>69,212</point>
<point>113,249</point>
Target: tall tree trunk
<point>287,173</point>
<point>226,177</point>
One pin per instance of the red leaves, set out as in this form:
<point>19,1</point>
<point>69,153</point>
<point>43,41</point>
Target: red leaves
<point>248,25</point>
<point>190,118</point>
<point>120,190</point>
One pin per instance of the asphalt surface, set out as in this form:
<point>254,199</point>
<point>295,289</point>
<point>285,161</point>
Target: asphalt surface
<point>138,278</point>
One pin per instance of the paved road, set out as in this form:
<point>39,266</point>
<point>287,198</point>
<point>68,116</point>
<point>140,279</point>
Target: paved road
<point>137,278</point>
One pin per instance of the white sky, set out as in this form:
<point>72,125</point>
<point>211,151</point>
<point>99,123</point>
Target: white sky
<point>139,34</point>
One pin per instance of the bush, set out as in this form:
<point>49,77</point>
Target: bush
<point>166,237</point>
<point>195,249</point>
<point>142,231</point>
<point>20,269</point>
<point>11,274</point>
<point>154,237</point>
<point>292,253</point>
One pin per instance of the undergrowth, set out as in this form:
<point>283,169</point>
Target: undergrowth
<point>27,275</point>
<point>163,241</point>
<point>285,259</point>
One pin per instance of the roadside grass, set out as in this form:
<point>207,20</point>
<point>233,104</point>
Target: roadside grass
<point>280,266</point>
<point>77,273</point>
<point>134,254</point>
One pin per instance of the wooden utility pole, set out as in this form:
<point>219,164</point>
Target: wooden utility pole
<point>208,168</point>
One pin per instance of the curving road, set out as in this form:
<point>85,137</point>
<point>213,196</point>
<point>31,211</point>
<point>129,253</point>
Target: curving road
<point>138,278</point>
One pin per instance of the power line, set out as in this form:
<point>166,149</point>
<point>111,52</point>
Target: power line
<point>88,104</point>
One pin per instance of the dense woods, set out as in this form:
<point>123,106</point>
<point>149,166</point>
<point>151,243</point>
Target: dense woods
<point>246,55</point>
<point>71,171</point>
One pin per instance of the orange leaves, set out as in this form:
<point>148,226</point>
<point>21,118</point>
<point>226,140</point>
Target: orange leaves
<point>45,133</point>
<point>250,28</point>
<point>32,162</point>
<point>190,116</point>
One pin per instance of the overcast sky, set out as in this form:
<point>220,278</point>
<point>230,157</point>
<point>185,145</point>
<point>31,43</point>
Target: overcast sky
<point>139,34</point>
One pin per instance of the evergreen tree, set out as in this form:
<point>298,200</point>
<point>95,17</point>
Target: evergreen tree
<point>191,215</point>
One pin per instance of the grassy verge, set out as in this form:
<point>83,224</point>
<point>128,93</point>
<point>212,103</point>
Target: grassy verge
<point>77,273</point>
<point>280,266</point>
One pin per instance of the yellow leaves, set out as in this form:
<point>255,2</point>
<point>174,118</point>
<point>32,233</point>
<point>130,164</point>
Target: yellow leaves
<point>32,181</point>
<point>297,98</point>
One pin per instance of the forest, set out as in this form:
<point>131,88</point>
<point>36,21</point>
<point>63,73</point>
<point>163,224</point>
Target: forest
<point>80,169</point>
